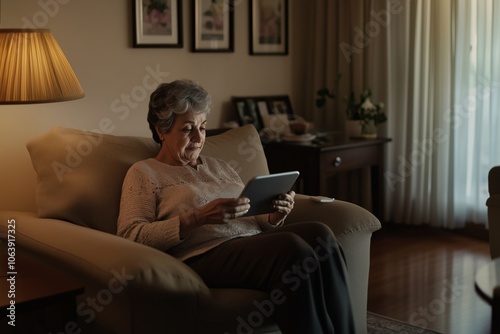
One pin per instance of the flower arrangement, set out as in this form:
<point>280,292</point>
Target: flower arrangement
<point>365,110</point>
<point>368,114</point>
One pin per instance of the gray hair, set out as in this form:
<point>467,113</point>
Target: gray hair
<point>175,98</point>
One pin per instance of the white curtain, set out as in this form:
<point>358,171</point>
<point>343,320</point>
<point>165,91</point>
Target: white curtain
<point>436,65</point>
<point>419,186</point>
<point>444,77</point>
<point>476,100</point>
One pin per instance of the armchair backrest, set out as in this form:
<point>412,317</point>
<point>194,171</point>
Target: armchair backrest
<point>80,173</point>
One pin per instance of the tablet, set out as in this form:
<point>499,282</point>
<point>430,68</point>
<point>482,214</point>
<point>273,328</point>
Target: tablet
<point>262,190</point>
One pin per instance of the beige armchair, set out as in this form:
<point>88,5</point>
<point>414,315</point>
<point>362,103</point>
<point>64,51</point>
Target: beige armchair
<point>79,177</point>
<point>493,204</point>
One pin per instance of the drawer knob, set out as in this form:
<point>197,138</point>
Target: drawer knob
<point>337,161</point>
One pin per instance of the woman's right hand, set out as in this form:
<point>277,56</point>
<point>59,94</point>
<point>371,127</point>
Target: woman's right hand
<point>218,211</point>
<point>222,210</point>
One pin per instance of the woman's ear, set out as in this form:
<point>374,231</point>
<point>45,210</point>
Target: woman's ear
<point>160,135</point>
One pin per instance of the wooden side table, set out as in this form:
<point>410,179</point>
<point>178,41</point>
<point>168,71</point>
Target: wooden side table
<point>318,160</point>
<point>488,287</point>
<point>45,296</point>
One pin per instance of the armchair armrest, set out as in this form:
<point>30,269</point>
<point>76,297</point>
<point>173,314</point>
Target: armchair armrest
<point>494,180</point>
<point>99,254</point>
<point>154,282</point>
<point>343,217</point>
<point>353,227</point>
<point>493,204</point>
<point>493,201</point>
<point>351,224</point>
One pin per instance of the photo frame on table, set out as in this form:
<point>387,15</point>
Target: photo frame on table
<point>261,110</point>
<point>213,25</point>
<point>248,112</point>
<point>268,27</point>
<point>157,23</point>
<point>280,105</point>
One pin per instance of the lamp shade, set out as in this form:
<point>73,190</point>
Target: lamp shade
<point>33,68</point>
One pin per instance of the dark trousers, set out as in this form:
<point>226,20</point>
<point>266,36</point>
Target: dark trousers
<point>300,266</point>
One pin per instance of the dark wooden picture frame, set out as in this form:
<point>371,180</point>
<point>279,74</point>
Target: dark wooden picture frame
<point>157,23</point>
<point>268,27</point>
<point>213,25</point>
<point>254,109</point>
<point>248,112</point>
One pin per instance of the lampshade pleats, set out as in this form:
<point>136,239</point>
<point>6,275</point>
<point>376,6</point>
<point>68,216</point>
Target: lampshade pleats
<point>33,69</point>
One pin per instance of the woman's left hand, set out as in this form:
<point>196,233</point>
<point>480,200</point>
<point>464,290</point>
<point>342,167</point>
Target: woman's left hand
<point>283,205</point>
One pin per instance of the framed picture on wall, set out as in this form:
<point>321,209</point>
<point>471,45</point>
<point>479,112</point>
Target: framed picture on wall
<point>268,27</point>
<point>213,26</point>
<point>157,23</point>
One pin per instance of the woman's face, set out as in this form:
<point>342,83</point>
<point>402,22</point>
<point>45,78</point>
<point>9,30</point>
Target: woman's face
<point>183,143</point>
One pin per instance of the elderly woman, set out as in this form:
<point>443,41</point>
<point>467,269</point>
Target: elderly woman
<point>187,205</point>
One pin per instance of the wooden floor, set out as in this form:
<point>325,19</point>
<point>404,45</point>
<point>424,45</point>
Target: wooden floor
<point>425,276</point>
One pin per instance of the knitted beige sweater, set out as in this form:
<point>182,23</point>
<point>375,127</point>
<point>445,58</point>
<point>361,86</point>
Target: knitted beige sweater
<point>154,194</point>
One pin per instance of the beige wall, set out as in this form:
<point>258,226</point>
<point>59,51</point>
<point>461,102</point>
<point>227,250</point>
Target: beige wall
<point>96,38</point>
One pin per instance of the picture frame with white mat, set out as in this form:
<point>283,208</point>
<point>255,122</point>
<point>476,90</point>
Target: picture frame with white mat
<point>273,117</point>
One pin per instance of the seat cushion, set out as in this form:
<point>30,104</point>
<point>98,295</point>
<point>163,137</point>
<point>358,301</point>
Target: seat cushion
<point>80,173</point>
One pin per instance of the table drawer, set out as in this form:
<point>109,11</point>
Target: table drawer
<point>349,159</point>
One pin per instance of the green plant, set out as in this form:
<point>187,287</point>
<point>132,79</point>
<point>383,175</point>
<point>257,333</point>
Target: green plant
<point>324,93</point>
<point>353,109</point>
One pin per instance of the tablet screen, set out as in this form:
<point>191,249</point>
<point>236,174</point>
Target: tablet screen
<point>262,190</point>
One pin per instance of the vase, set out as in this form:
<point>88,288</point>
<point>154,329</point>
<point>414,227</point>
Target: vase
<point>353,128</point>
<point>369,129</point>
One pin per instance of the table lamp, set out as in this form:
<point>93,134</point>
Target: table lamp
<point>33,69</point>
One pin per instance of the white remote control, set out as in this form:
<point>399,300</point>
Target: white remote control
<point>322,199</point>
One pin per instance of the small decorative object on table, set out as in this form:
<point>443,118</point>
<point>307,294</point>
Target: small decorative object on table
<point>273,117</point>
<point>366,113</point>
